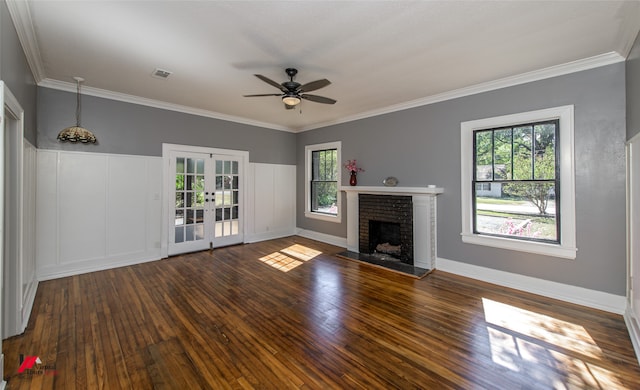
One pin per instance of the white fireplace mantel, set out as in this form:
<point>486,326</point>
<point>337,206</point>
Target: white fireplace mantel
<point>424,219</point>
<point>392,190</point>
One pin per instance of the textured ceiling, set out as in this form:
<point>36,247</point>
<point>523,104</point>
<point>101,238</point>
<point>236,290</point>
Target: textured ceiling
<point>380,56</point>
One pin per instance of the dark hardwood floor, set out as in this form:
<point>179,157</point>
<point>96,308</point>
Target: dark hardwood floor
<point>287,313</point>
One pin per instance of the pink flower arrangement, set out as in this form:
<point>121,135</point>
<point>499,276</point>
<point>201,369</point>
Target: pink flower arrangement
<point>351,166</point>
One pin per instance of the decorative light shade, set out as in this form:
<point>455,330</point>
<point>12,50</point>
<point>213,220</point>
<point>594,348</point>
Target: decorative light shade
<point>77,133</point>
<point>291,100</point>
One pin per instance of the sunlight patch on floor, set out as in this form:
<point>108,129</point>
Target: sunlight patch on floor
<point>523,341</point>
<point>541,327</point>
<point>301,252</point>
<point>289,258</point>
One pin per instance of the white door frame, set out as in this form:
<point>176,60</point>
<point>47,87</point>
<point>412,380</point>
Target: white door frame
<point>13,214</point>
<point>168,180</point>
<point>632,311</point>
<point>11,118</point>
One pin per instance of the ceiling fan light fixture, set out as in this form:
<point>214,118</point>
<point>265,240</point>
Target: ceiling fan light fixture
<point>291,100</point>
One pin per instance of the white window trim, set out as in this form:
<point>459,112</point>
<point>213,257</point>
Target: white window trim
<point>307,179</point>
<point>567,247</point>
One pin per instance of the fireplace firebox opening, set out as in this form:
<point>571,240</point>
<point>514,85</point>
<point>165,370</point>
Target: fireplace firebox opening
<point>386,227</point>
<point>384,239</point>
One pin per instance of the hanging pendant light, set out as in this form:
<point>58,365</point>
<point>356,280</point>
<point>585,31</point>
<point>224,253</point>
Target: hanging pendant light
<point>77,133</point>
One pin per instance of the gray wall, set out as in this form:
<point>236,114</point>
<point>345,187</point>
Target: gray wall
<point>15,72</point>
<point>633,90</point>
<point>421,146</point>
<point>126,128</point>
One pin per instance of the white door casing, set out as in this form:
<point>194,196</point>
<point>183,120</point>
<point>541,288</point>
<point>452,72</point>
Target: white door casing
<point>204,198</point>
<point>14,318</point>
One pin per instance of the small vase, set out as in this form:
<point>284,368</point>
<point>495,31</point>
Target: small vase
<point>353,180</point>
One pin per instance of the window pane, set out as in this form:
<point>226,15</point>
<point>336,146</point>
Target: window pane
<point>324,197</point>
<point>522,161</point>
<point>199,195</point>
<point>179,199</point>
<point>545,154</point>
<point>234,167</point>
<point>199,231</point>
<point>189,233</point>
<point>484,155</point>
<point>180,165</point>
<point>325,165</point>
<point>179,182</point>
<point>526,210</point>
<point>220,197</point>
<point>179,219</point>
<point>191,166</point>
<point>179,235</point>
<point>502,154</point>
<point>199,184</point>
<point>218,167</point>
<point>188,197</point>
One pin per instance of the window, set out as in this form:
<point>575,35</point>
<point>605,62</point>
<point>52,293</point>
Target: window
<point>521,161</point>
<point>322,166</point>
<point>483,186</point>
<point>518,182</point>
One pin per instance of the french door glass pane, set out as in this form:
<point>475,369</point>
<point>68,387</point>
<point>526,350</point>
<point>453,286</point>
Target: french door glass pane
<point>227,197</point>
<point>189,206</point>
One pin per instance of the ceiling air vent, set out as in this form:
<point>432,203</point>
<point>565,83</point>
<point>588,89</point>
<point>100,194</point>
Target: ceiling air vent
<point>161,73</point>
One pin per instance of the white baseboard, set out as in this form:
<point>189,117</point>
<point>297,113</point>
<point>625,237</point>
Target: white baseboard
<point>272,235</point>
<point>578,295</point>
<point>61,271</point>
<point>326,238</point>
<point>26,310</point>
<point>3,383</point>
<point>631,320</point>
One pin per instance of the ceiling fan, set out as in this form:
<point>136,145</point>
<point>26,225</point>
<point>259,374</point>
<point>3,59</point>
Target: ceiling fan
<point>293,92</point>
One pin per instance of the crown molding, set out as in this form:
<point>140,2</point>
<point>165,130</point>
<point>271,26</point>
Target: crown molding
<point>21,17</point>
<point>536,75</point>
<point>122,97</point>
<point>541,74</point>
<point>628,32</point>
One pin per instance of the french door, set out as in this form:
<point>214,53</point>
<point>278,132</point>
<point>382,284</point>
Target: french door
<point>205,201</point>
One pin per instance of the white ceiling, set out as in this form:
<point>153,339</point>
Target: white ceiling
<point>380,56</point>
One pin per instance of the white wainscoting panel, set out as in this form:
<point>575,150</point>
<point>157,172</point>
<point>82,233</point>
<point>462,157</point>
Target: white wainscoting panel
<point>271,209</point>
<point>96,211</point>
<point>82,206</point>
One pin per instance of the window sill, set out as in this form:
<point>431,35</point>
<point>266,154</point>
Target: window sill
<point>323,217</point>
<point>539,248</point>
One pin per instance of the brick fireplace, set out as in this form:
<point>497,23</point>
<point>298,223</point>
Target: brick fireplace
<point>386,220</point>
<point>412,208</point>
